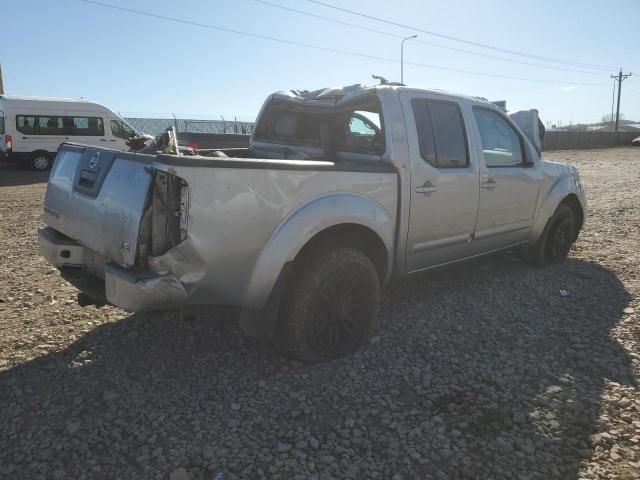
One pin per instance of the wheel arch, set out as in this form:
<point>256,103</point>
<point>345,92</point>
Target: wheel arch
<point>332,220</point>
<point>564,190</point>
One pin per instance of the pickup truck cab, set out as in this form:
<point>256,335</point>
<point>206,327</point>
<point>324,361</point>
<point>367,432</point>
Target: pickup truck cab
<point>341,192</point>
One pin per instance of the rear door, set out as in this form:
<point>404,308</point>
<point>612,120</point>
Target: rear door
<point>510,180</point>
<point>444,180</point>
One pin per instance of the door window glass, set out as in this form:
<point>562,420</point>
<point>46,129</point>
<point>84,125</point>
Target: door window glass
<point>501,144</point>
<point>120,129</point>
<point>441,133</point>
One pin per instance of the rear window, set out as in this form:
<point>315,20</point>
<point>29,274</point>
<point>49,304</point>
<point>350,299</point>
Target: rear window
<point>353,128</point>
<point>59,125</point>
<point>1,123</point>
<point>26,124</point>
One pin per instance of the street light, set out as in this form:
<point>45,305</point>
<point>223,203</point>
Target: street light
<point>402,56</point>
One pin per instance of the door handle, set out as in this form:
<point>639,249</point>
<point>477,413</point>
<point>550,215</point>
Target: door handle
<point>490,184</point>
<point>427,187</point>
<point>103,139</point>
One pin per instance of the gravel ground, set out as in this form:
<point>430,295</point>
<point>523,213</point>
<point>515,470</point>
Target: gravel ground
<point>478,371</point>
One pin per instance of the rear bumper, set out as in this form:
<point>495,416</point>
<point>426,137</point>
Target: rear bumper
<point>133,289</point>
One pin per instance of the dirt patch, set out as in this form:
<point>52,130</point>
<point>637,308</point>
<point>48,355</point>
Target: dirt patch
<point>479,371</point>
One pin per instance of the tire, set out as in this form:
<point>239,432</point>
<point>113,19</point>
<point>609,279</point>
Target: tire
<point>556,239</point>
<point>330,305</point>
<point>40,161</point>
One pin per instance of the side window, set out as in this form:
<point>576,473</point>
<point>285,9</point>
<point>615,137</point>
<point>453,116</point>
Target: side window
<point>441,133</point>
<point>360,125</point>
<point>362,133</point>
<point>26,124</point>
<point>120,129</point>
<point>501,144</point>
<point>87,126</point>
<point>49,125</point>
<point>116,129</point>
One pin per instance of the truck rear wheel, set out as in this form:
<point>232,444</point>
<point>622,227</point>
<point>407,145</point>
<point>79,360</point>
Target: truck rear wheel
<point>40,161</point>
<point>556,240</point>
<point>331,305</point>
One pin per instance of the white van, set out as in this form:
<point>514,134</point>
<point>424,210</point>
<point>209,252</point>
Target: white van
<point>32,128</point>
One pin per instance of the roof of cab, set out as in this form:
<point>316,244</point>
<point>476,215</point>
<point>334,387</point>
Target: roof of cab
<point>340,95</point>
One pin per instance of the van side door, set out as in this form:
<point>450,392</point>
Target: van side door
<point>510,180</point>
<point>86,128</point>
<point>444,179</point>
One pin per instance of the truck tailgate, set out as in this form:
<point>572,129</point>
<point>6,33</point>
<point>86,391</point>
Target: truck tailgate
<point>97,197</point>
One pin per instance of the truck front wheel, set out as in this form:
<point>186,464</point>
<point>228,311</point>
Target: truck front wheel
<point>331,305</point>
<point>557,238</point>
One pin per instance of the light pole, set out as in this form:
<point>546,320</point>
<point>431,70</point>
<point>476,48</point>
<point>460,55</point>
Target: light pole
<point>402,56</point>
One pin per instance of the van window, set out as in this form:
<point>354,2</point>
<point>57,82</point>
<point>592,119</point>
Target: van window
<point>50,125</point>
<point>121,130</point>
<point>26,124</point>
<point>1,123</point>
<point>87,126</point>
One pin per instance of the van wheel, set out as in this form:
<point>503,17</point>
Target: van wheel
<point>330,306</point>
<point>40,161</point>
<point>556,240</point>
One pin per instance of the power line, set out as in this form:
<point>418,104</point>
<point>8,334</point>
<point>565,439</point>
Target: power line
<point>326,49</point>
<point>461,40</point>
<point>394,35</point>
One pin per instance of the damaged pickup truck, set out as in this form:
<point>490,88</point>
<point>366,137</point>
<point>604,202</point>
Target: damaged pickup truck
<point>341,192</point>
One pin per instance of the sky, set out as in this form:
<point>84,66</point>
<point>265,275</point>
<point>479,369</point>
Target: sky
<point>144,66</point>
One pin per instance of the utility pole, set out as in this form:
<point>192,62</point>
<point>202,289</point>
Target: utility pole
<point>619,78</point>
<point>1,84</point>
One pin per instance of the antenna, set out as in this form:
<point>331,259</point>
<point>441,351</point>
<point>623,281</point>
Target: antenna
<point>383,81</point>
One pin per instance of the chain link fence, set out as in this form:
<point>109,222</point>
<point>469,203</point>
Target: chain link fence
<point>155,126</point>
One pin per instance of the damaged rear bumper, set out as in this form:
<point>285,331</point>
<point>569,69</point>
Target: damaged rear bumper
<point>133,289</point>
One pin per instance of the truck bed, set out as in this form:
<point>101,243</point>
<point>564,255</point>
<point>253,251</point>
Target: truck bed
<point>200,226</point>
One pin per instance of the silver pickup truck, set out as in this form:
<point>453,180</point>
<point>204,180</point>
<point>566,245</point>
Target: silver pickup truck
<point>341,191</point>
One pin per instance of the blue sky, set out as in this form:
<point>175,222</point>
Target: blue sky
<point>142,65</point>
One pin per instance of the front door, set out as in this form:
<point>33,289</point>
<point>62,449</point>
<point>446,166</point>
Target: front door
<point>510,180</point>
<point>444,181</point>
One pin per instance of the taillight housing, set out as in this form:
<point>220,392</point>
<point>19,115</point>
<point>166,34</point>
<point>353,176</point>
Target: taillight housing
<point>8,143</point>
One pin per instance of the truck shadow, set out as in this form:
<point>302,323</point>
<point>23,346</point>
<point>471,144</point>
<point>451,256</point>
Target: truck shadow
<point>502,383</point>
<point>12,175</point>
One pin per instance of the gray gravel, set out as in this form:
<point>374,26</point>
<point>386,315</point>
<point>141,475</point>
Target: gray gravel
<point>478,371</point>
